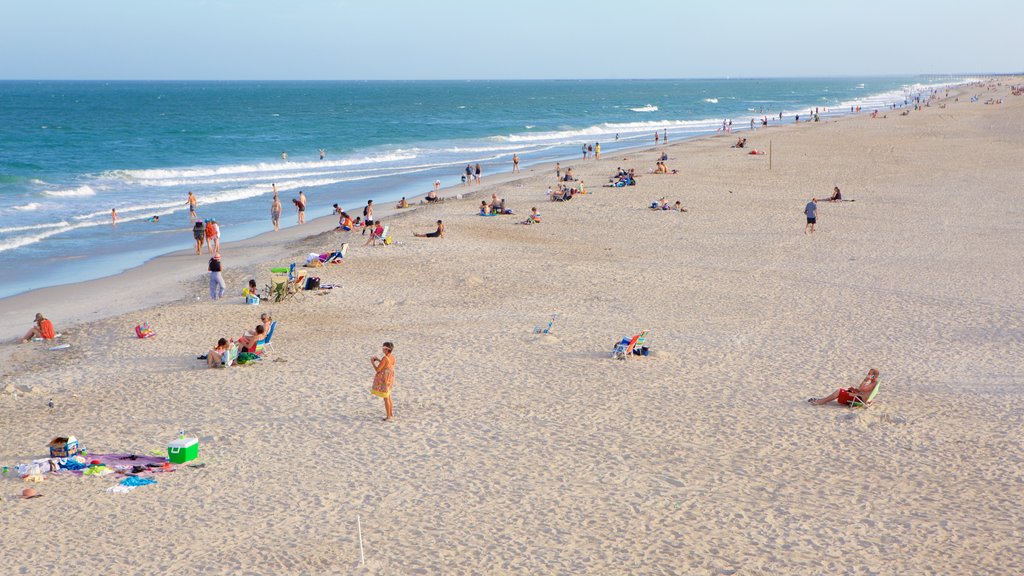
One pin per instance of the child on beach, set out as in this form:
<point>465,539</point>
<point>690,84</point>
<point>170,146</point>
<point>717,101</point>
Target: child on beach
<point>533,218</point>
<point>384,379</point>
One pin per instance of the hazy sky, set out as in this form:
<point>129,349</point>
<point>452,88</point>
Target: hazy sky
<point>449,39</point>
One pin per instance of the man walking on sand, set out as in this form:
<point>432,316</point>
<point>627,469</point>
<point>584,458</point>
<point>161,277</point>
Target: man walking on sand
<point>811,211</point>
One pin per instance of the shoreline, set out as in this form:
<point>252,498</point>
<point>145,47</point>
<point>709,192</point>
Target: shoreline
<point>252,252</point>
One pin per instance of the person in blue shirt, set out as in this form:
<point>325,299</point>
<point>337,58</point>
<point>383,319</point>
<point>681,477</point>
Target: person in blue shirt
<point>811,211</point>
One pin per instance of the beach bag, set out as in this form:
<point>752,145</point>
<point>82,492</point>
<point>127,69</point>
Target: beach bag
<point>144,331</point>
<point>312,283</point>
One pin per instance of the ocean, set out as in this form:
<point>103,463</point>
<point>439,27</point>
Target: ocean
<point>72,151</point>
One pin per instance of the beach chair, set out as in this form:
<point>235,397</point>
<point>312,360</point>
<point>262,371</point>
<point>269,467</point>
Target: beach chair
<point>624,350</point>
<point>278,290</point>
<point>870,399</point>
<point>337,256</point>
<point>266,339</point>
<point>546,330</point>
<point>298,283</point>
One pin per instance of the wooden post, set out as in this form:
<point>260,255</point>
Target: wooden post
<point>769,154</point>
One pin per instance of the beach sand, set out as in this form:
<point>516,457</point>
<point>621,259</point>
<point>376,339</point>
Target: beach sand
<point>520,453</point>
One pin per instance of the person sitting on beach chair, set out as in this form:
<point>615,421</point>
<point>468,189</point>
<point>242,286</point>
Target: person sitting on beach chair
<point>439,233</point>
<point>861,395</point>
<point>247,342</point>
<point>376,235</point>
<point>42,329</point>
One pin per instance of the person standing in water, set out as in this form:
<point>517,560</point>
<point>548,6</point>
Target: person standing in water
<point>478,172</point>
<point>191,202</point>
<point>113,216</point>
<point>275,210</point>
<point>384,379</point>
<point>322,153</point>
<point>284,156</point>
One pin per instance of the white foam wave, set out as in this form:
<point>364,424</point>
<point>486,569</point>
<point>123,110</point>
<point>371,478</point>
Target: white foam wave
<point>608,128</point>
<point>27,207</point>
<point>647,108</point>
<point>711,100</point>
<point>11,229</point>
<point>264,167</point>
<point>19,241</point>
<point>79,192</point>
<point>38,182</point>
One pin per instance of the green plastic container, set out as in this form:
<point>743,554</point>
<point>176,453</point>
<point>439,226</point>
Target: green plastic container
<point>184,450</point>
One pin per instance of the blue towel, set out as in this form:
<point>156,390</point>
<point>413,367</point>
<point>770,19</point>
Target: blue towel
<point>137,481</point>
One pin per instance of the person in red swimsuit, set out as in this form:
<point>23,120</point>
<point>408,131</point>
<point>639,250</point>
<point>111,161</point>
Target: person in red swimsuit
<point>847,396</point>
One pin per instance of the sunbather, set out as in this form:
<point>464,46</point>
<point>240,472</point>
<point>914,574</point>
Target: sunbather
<point>836,196</point>
<point>439,233</point>
<point>847,396</point>
<point>42,328</point>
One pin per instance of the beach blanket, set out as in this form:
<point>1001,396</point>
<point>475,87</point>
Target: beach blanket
<point>118,461</point>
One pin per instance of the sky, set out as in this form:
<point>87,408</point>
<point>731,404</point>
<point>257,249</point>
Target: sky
<point>510,39</point>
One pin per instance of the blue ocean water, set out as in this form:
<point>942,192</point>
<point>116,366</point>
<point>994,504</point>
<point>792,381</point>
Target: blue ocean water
<point>72,151</point>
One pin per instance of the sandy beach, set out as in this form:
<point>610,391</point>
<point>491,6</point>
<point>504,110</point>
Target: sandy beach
<point>521,453</point>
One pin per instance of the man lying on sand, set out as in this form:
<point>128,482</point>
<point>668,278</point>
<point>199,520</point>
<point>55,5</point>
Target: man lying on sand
<point>847,396</point>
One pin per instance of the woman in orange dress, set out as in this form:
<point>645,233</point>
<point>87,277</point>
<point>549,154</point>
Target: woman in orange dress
<point>384,379</point>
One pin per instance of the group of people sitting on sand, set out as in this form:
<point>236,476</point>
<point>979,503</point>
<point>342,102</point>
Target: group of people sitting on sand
<point>662,204</point>
<point>622,178</point>
<point>220,354</point>
<point>495,208</point>
<point>566,192</point>
<point>661,168</point>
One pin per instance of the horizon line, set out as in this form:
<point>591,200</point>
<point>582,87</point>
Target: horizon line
<point>632,79</point>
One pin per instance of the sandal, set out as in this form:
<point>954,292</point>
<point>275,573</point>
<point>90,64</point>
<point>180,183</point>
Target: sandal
<point>812,400</point>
